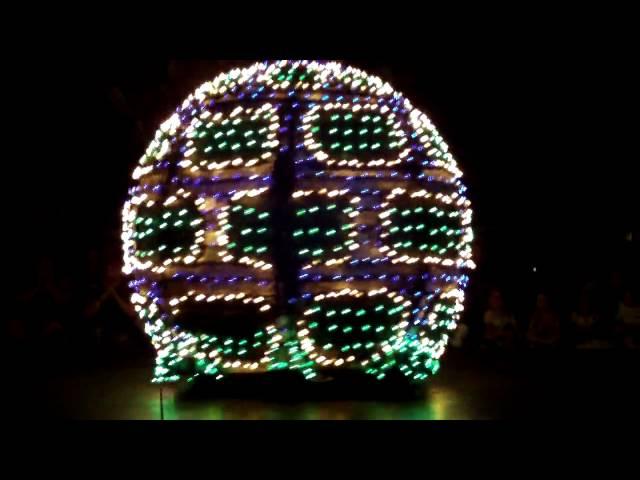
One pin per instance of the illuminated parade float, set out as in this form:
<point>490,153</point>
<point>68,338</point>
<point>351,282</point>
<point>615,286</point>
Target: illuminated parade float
<point>297,215</point>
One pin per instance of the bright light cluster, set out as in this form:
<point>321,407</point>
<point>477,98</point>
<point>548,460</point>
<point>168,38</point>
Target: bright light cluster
<point>304,167</point>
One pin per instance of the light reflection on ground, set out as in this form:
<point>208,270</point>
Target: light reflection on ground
<point>462,390</point>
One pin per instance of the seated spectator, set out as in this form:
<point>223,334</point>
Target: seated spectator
<point>499,324</point>
<point>544,324</point>
<point>112,316</point>
<point>629,320</point>
<point>583,323</point>
<point>609,296</point>
<point>56,324</point>
<point>43,303</point>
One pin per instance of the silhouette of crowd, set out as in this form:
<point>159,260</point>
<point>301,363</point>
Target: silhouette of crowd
<point>603,315</point>
<point>65,310</point>
<point>86,309</point>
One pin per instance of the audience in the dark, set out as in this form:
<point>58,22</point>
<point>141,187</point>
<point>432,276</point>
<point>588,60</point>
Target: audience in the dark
<point>500,326</point>
<point>93,312</point>
<point>584,323</point>
<point>44,306</point>
<point>544,324</point>
<point>108,312</point>
<point>628,320</point>
<point>53,315</point>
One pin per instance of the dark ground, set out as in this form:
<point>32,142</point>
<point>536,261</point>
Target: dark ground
<point>585,385</point>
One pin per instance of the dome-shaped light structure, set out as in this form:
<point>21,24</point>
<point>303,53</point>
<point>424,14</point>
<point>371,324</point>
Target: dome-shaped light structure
<point>297,215</point>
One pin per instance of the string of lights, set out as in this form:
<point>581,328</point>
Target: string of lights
<point>297,215</point>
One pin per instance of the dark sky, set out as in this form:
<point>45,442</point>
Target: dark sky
<point>545,138</point>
